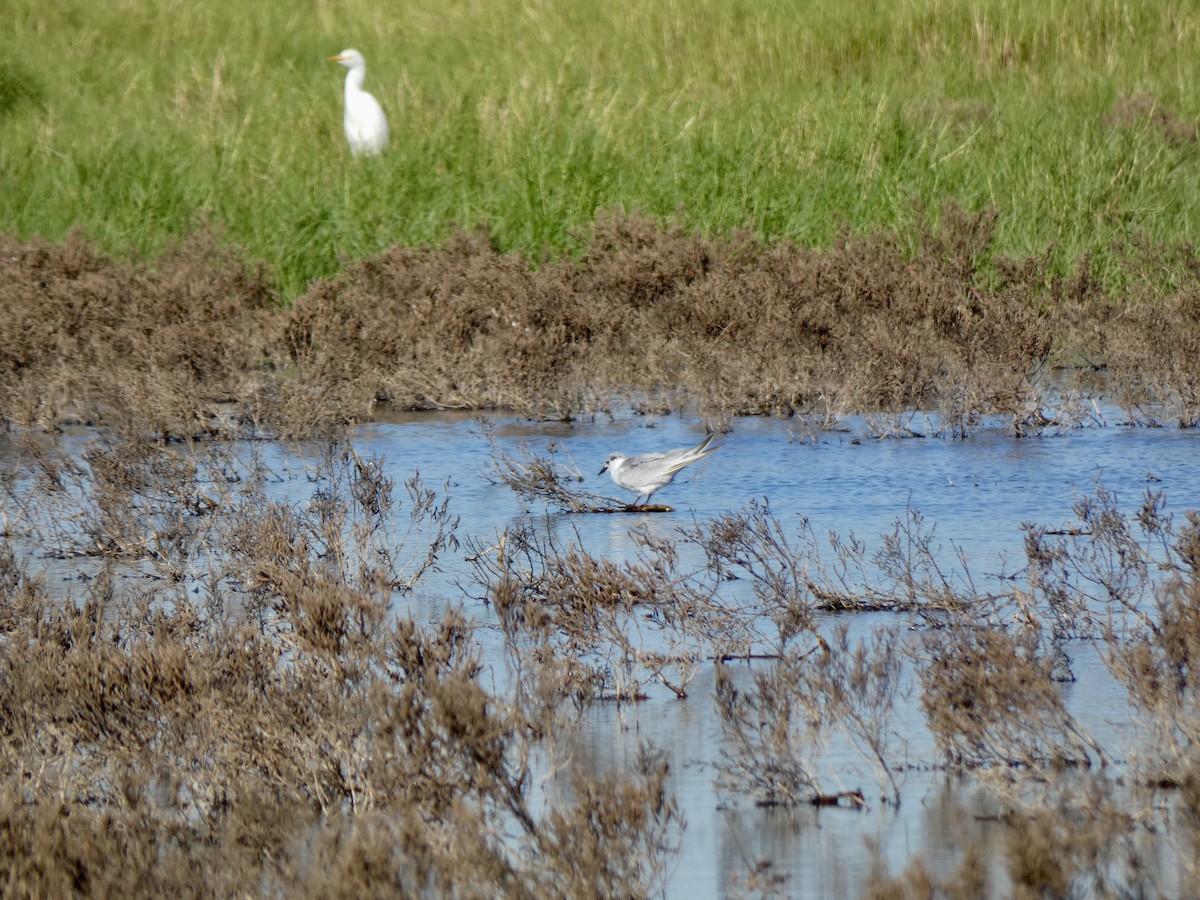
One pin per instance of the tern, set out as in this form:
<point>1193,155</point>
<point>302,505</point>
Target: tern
<point>651,471</point>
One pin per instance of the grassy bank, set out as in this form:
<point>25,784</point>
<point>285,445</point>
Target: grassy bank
<point>1076,119</point>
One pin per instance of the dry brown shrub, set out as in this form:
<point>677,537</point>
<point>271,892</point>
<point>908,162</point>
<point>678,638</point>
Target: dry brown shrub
<point>461,326</point>
<point>990,698</point>
<point>264,722</point>
<point>777,719</point>
<point>125,496</point>
<point>547,480</point>
<point>769,753</point>
<point>1090,837</point>
<point>586,628</point>
<point>1153,349</point>
<point>990,666</point>
<point>251,714</point>
<point>1143,337</point>
<point>582,628</point>
<point>1087,840</point>
<point>745,327</point>
<point>875,323</point>
<point>165,346</point>
<point>1104,567</point>
<point>816,682</point>
<point>869,324</point>
<point>1153,652</point>
<point>916,882</point>
<point>1129,583</point>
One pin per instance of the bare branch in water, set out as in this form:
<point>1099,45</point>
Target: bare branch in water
<point>541,479</point>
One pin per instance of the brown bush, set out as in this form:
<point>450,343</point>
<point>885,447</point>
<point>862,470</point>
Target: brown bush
<point>990,698</point>
<point>165,346</point>
<point>746,327</point>
<point>1078,841</point>
<point>251,717</point>
<point>232,704</point>
<point>873,323</point>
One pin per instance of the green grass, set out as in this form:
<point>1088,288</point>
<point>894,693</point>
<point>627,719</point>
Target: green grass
<point>138,120</point>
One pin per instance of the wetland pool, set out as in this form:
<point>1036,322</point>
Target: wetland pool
<point>975,494</point>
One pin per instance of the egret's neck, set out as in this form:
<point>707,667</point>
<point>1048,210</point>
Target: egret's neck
<point>355,78</point>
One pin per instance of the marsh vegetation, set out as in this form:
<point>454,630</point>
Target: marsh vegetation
<point>219,674</point>
<point>193,344</point>
<point>235,692</point>
<point>235,696</point>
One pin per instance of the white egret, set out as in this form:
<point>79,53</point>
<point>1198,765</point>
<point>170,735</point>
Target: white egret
<point>366,125</point>
<point>651,471</point>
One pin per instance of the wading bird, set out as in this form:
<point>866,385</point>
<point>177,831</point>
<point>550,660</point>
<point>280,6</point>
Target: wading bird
<point>651,471</point>
<point>366,125</point>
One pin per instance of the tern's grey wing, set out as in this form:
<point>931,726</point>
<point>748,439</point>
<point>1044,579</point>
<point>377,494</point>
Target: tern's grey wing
<point>673,465</point>
<point>694,455</point>
<point>647,462</point>
<point>670,462</point>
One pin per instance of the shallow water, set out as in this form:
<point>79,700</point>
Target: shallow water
<point>975,493</point>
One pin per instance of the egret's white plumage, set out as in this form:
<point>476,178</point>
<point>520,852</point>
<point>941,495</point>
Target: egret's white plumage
<point>651,471</point>
<point>366,125</point>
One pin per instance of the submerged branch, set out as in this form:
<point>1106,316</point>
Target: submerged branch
<point>540,479</point>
